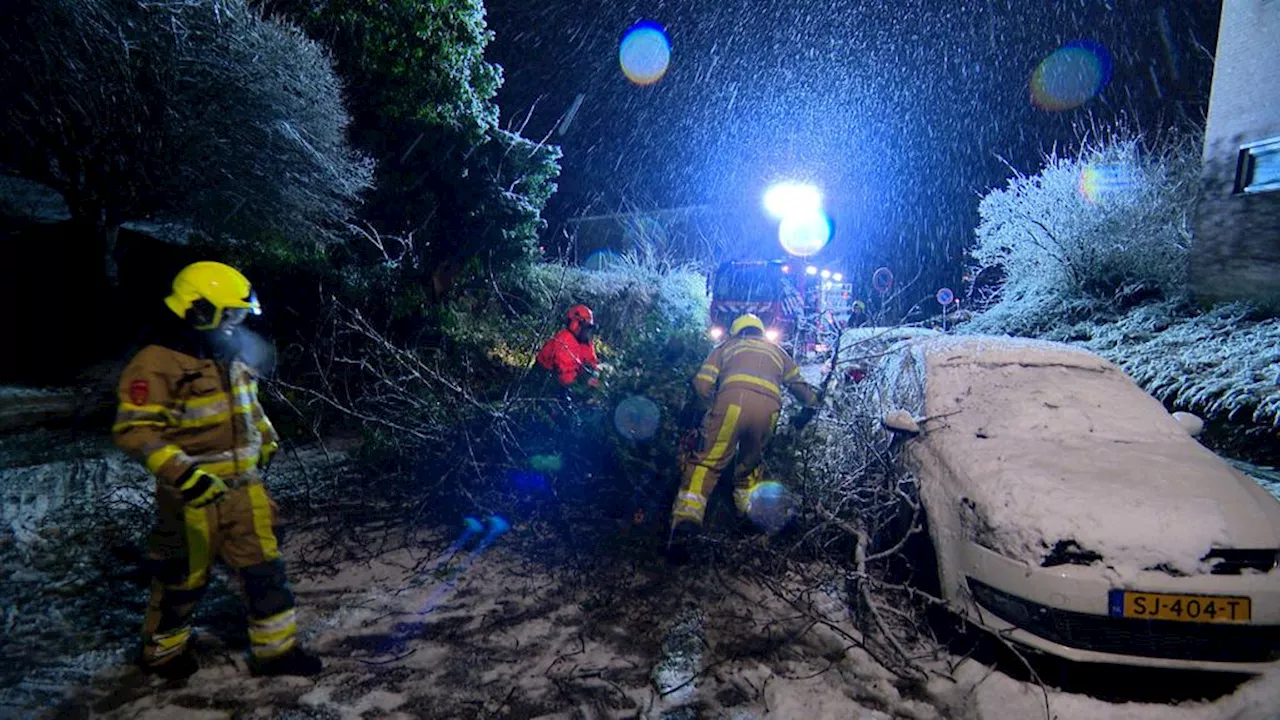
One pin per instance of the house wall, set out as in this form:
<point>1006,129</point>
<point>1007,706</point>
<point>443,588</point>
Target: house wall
<point>1237,251</point>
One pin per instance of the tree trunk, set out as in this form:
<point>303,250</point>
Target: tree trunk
<point>105,232</point>
<point>108,234</point>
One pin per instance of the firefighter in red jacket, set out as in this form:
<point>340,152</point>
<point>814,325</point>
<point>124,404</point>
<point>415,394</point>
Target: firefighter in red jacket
<point>571,353</point>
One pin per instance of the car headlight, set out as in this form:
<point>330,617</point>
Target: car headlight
<point>717,333</point>
<point>771,335</point>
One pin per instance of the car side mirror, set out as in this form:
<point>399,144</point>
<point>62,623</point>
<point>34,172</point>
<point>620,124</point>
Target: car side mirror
<point>900,421</point>
<point>1190,422</point>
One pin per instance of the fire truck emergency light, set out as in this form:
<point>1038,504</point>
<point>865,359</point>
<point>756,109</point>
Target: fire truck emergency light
<point>792,199</point>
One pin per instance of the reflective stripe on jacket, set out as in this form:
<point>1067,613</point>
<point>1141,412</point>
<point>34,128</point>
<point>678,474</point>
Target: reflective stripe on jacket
<point>178,412</point>
<point>752,363</point>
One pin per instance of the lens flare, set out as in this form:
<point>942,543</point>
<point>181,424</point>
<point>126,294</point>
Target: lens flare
<point>771,506</point>
<point>637,418</point>
<point>1100,182</point>
<point>548,463</point>
<point>1071,76</point>
<point>804,234</point>
<point>529,481</point>
<point>602,260</point>
<point>644,53</point>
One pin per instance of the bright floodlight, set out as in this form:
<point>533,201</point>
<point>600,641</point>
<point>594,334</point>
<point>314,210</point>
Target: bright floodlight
<point>771,335</point>
<point>804,234</point>
<point>788,199</point>
<point>811,270</point>
<point>825,274</point>
<point>838,277</point>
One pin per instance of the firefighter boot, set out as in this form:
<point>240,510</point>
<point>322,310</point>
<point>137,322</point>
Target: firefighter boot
<point>682,536</point>
<point>297,662</point>
<point>179,668</point>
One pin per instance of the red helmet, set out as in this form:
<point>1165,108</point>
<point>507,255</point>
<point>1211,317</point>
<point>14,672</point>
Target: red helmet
<point>578,316</point>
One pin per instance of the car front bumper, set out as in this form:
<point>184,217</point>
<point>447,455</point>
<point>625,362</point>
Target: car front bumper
<point>1063,611</point>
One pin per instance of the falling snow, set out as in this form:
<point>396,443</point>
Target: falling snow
<point>900,111</point>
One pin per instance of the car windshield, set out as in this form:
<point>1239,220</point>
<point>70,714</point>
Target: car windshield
<point>1046,401</point>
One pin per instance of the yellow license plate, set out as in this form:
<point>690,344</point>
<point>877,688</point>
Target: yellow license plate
<point>1185,608</point>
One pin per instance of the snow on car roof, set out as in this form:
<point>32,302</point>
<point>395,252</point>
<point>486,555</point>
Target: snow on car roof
<point>1004,350</point>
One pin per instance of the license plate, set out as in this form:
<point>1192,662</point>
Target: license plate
<point>1184,608</point>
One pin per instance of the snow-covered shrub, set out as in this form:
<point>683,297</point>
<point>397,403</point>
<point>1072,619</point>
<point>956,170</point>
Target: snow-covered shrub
<point>1222,364</point>
<point>1110,223</point>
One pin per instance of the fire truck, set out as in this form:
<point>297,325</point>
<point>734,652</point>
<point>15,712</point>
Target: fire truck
<point>802,306</point>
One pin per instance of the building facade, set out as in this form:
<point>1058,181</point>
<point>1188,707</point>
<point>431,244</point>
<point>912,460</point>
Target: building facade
<point>1237,250</point>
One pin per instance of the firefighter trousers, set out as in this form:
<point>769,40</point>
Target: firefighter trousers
<point>240,529</point>
<point>740,423</point>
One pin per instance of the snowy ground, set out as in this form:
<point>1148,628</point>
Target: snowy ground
<point>496,635</point>
<point>533,627</point>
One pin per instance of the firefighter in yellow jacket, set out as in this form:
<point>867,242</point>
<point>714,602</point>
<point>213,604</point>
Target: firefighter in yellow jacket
<point>742,379</point>
<point>189,411</point>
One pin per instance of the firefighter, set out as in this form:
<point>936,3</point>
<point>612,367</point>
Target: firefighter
<point>742,380</point>
<point>571,353</point>
<point>189,411</point>
<point>858,316</point>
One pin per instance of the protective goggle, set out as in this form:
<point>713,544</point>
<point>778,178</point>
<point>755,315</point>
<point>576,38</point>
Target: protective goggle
<point>237,315</point>
<point>234,316</point>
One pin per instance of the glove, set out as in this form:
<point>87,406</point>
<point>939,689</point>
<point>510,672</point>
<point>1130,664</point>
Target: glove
<point>804,417</point>
<point>268,451</point>
<point>202,489</point>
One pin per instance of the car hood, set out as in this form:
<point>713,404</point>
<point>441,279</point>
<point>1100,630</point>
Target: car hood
<point>1034,455</point>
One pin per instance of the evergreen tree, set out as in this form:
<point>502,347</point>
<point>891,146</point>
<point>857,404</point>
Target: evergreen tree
<point>198,112</point>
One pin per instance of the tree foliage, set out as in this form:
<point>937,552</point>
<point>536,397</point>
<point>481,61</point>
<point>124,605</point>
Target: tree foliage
<point>200,112</point>
<point>468,193</point>
<point>1111,222</point>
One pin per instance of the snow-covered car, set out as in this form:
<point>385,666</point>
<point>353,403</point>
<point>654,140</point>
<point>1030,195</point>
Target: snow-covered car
<point>1071,513</point>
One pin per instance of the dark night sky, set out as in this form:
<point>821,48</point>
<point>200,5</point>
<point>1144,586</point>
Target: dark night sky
<point>899,110</point>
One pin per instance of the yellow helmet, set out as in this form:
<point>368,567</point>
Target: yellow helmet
<point>204,291</point>
<point>745,321</point>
